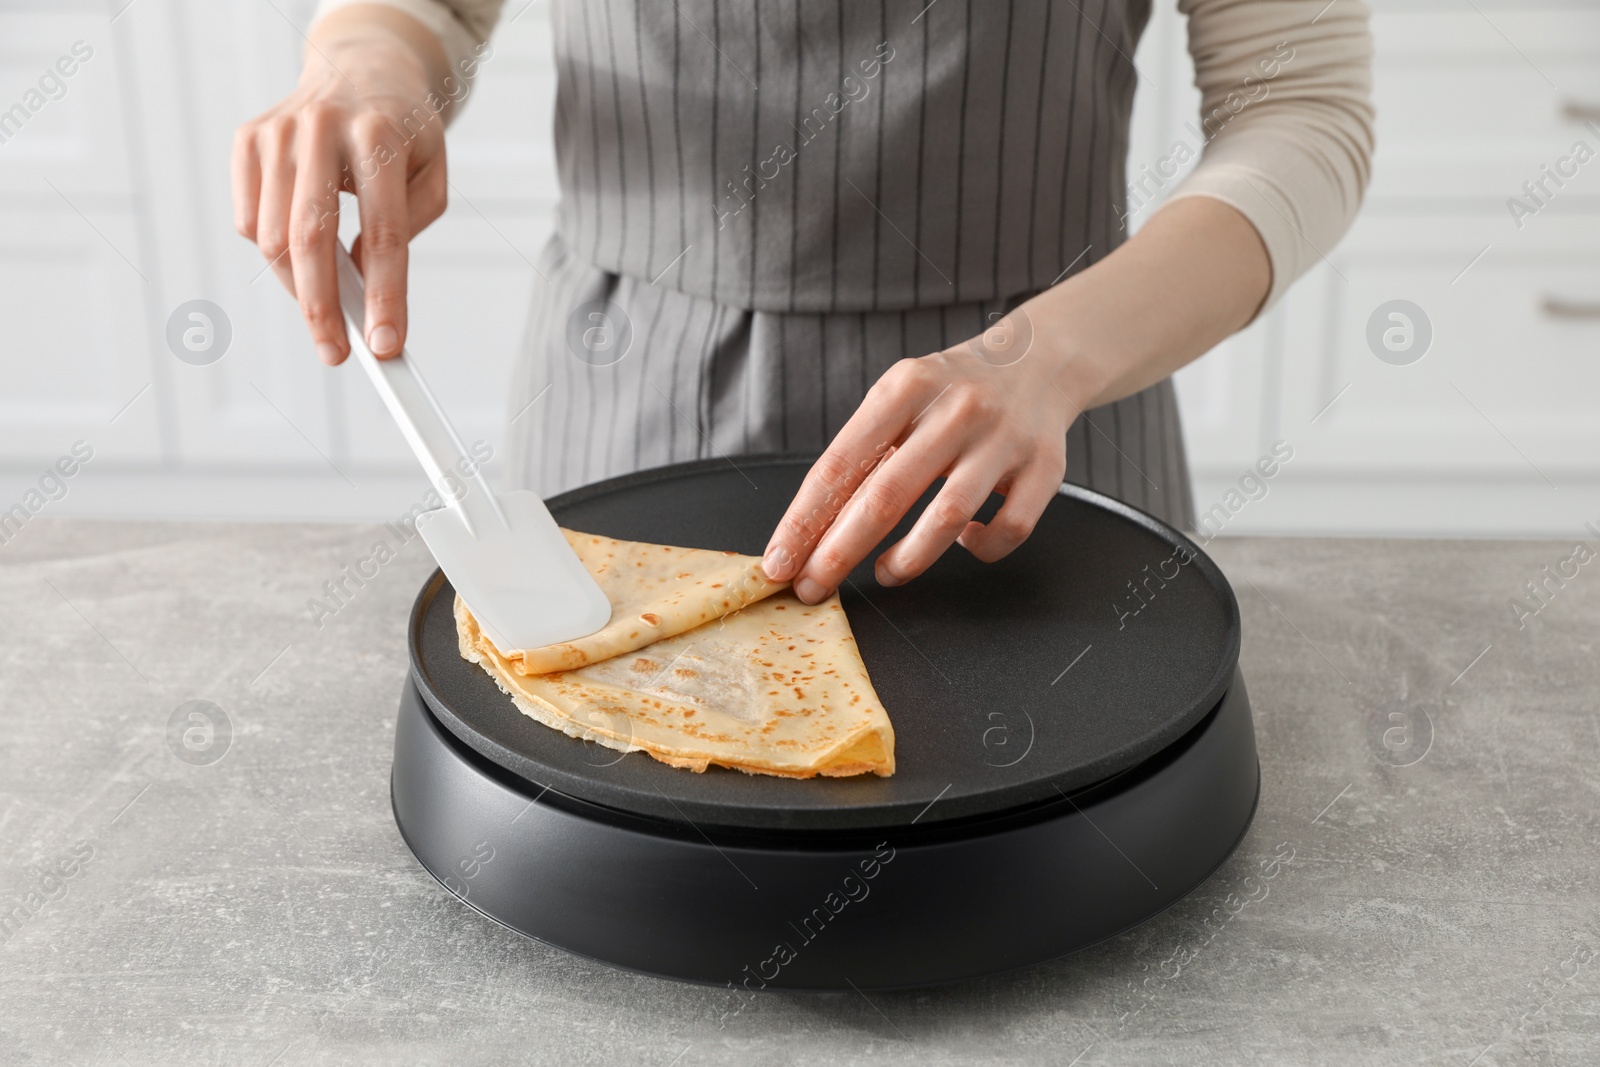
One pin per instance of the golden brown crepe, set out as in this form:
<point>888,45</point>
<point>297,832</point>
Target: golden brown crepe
<point>777,688</point>
<point>655,591</point>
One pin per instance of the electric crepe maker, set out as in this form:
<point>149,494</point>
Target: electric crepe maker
<point>1074,754</point>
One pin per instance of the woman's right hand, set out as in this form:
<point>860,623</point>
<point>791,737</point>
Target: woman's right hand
<point>362,120</point>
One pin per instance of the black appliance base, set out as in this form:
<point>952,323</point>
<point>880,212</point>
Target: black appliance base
<point>905,906</point>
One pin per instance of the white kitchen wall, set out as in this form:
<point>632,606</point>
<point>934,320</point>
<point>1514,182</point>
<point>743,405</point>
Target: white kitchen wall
<point>114,211</point>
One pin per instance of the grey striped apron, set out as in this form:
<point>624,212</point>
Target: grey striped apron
<point>764,206</point>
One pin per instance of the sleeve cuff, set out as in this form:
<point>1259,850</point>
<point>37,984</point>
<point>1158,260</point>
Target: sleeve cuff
<point>1271,183</point>
<point>459,42</point>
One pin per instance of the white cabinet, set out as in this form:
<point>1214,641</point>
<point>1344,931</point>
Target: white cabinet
<point>1505,385</point>
<point>1473,99</point>
<point>74,277</point>
<point>1493,430</point>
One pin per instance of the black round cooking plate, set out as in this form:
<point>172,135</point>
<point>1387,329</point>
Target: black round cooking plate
<point>1104,638</point>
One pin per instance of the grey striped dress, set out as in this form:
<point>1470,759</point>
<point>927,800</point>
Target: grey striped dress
<point>764,206</point>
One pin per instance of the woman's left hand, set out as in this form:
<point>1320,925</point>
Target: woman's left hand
<point>989,415</point>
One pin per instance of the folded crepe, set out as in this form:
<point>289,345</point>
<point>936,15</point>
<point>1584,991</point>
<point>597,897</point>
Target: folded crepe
<point>776,687</point>
<point>655,591</point>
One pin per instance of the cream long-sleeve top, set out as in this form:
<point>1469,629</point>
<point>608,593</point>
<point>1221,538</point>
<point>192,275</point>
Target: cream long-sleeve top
<point>808,156</point>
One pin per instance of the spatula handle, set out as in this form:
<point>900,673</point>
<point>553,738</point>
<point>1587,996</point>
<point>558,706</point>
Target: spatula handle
<point>450,467</point>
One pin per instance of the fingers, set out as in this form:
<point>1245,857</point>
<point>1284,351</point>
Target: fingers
<point>385,239</point>
<point>313,230</point>
<point>427,192</point>
<point>944,519</point>
<point>245,166</point>
<point>889,410</point>
<point>824,493</point>
<point>1029,493</point>
<point>877,507</point>
<point>274,143</point>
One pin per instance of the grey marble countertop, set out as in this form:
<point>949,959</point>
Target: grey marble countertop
<point>262,909</point>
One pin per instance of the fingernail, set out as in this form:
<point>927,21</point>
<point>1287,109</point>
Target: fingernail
<point>810,590</point>
<point>885,576</point>
<point>328,352</point>
<point>383,340</point>
<point>778,564</point>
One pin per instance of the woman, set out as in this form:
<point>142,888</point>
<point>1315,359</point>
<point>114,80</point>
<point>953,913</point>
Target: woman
<point>893,230</point>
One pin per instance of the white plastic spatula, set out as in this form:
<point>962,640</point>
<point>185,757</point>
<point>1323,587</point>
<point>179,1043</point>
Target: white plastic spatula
<point>504,554</point>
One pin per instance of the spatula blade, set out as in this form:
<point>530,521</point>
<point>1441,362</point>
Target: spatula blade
<point>524,583</point>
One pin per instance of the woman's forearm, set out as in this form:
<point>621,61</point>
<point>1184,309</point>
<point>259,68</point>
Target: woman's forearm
<point>1194,274</point>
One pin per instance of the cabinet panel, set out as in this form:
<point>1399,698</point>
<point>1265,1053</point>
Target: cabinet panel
<point>1509,380</point>
<point>58,127</point>
<point>1471,104</point>
<point>1223,400</point>
<point>74,354</point>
